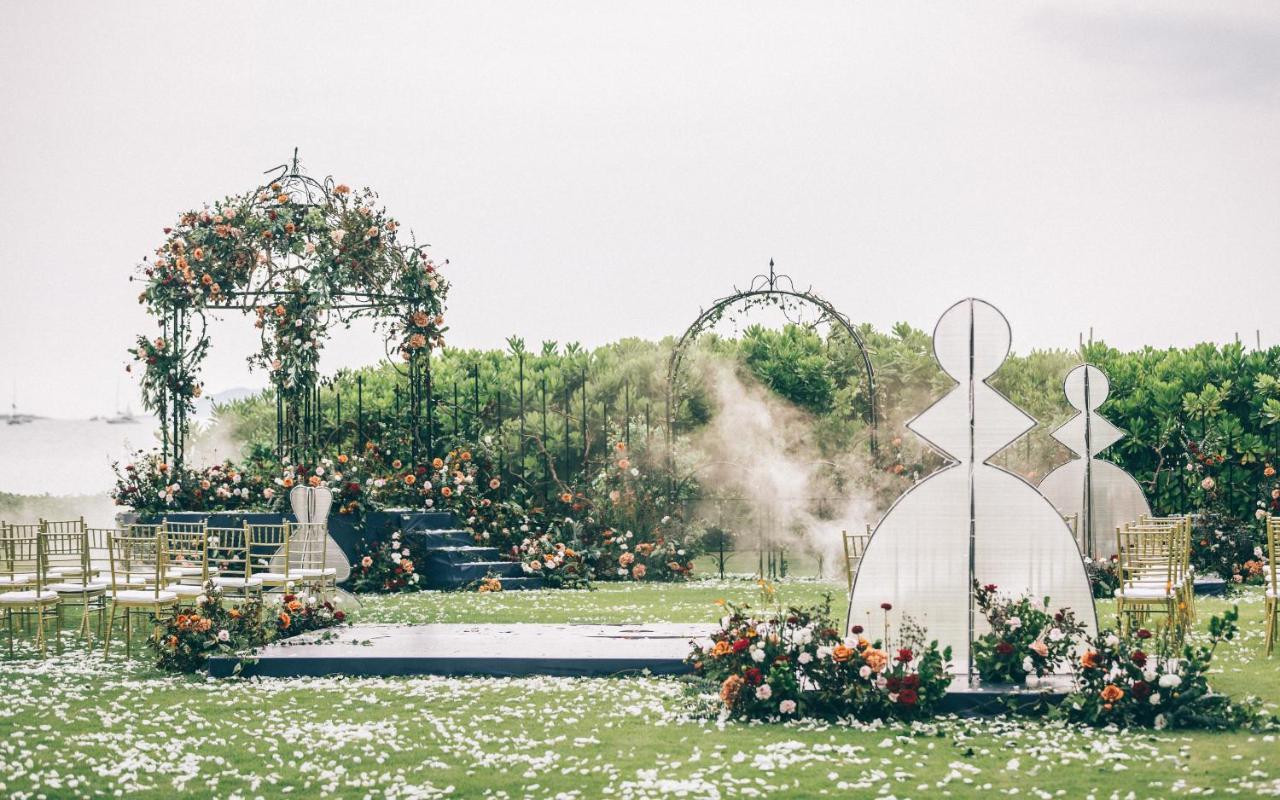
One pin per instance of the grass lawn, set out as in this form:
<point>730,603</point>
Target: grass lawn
<point>76,726</point>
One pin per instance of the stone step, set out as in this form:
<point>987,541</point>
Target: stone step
<point>461,555</point>
<point>442,538</point>
<point>468,571</point>
<point>411,521</point>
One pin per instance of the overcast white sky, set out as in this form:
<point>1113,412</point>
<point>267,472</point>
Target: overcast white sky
<point>599,170</point>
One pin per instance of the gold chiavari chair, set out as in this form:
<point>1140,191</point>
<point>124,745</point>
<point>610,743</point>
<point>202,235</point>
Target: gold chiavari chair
<point>23,562</point>
<point>186,560</point>
<point>1073,522</point>
<point>1273,585</point>
<point>137,581</point>
<point>269,555</point>
<point>308,551</point>
<point>14,574</point>
<point>1184,573</point>
<point>71,571</point>
<point>227,554</point>
<point>61,568</point>
<point>1147,576</point>
<point>855,546</point>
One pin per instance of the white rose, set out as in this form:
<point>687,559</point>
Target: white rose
<point>864,672</point>
<point>763,692</point>
<point>805,657</point>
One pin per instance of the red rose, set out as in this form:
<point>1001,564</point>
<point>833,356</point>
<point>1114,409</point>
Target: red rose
<point>905,655</point>
<point>887,606</point>
<point>911,681</point>
<point>1139,658</point>
<point>339,616</point>
<point>740,645</point>
<point>1143,633</point>
<point>908,697</point>
<point>1004,648</point>
<point>754,676</point>
<point>857,629</point>
<point>990,587</point>
<point>1141,690</point>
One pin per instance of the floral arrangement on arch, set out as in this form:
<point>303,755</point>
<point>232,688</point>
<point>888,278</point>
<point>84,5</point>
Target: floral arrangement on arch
<point>1143,681</point>
<point>287,253</point>
<point>794,663</point>
<point>1026,641</point>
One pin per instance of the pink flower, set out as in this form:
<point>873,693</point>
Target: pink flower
<point>1040,648</point>
<point>787,706</point>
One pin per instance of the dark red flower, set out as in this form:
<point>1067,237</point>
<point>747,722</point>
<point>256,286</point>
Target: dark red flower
<point>1143,633</point>
<point>857,629</point>
<point>740,645</point>
<point>1139,658</point>
<point>339,615</point>
<point>887,606</point>
<point>990,587</point>
<point>754,676</point>
<point>1140,690</point>
<point>908,697</point>
<point>893,683</point>
<point>911,681</point>
<point>905,655</point>
<point>1004,648</point>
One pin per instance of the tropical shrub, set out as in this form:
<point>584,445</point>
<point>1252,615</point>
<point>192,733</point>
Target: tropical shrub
<point>1143,681</point>
<point>1026,641</point>
<point>794,663</point>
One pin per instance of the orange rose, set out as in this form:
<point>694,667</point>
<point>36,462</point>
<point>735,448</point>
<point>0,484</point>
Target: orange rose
<point>437,462</point>
<point>284,620</point>
<point>410,479</point>
<point>1112,693</point>
<point>876,659</point>
<point>1089,660</point>
<point>722,648</point>
<point>446,491</point>
<point>730,688</point>
<point>841,654</point>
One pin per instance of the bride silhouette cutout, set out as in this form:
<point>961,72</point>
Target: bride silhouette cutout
<point>971,520</point>
<point>1099,492</point>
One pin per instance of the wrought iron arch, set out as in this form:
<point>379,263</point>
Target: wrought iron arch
<point>764,288</point>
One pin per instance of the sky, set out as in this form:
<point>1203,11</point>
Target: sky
<point>596,170</point>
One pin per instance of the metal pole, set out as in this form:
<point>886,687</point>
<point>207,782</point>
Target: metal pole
<point>626,414</point>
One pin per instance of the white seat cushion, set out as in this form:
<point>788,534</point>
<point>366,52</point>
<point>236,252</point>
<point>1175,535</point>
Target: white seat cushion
<point>183,590</point>
<point>77,588</point>
<point>1144,593</point>
<point>237,582</point>
<point>27,597</point>
<point>146,597</point>
<point>186,572</point>
<point>275,577</point>
<point>316,573</point>
<point>17,580</point>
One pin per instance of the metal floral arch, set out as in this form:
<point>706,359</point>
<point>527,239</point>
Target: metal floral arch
<point>770,287</point>
<point>303,255</point>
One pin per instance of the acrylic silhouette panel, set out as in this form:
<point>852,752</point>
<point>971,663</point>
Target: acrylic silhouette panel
<point>970,520</point>
<point>1099,492</point>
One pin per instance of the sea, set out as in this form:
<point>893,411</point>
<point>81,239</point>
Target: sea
<point>69,456</point>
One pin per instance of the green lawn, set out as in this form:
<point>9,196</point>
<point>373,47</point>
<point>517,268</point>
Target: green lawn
<point>75,726</point>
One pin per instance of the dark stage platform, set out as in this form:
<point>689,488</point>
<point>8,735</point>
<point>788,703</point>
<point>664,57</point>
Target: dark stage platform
<point>478,649</point>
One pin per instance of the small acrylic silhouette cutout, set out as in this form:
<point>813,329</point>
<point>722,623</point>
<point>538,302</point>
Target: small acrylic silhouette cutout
<point>1100,494</point>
